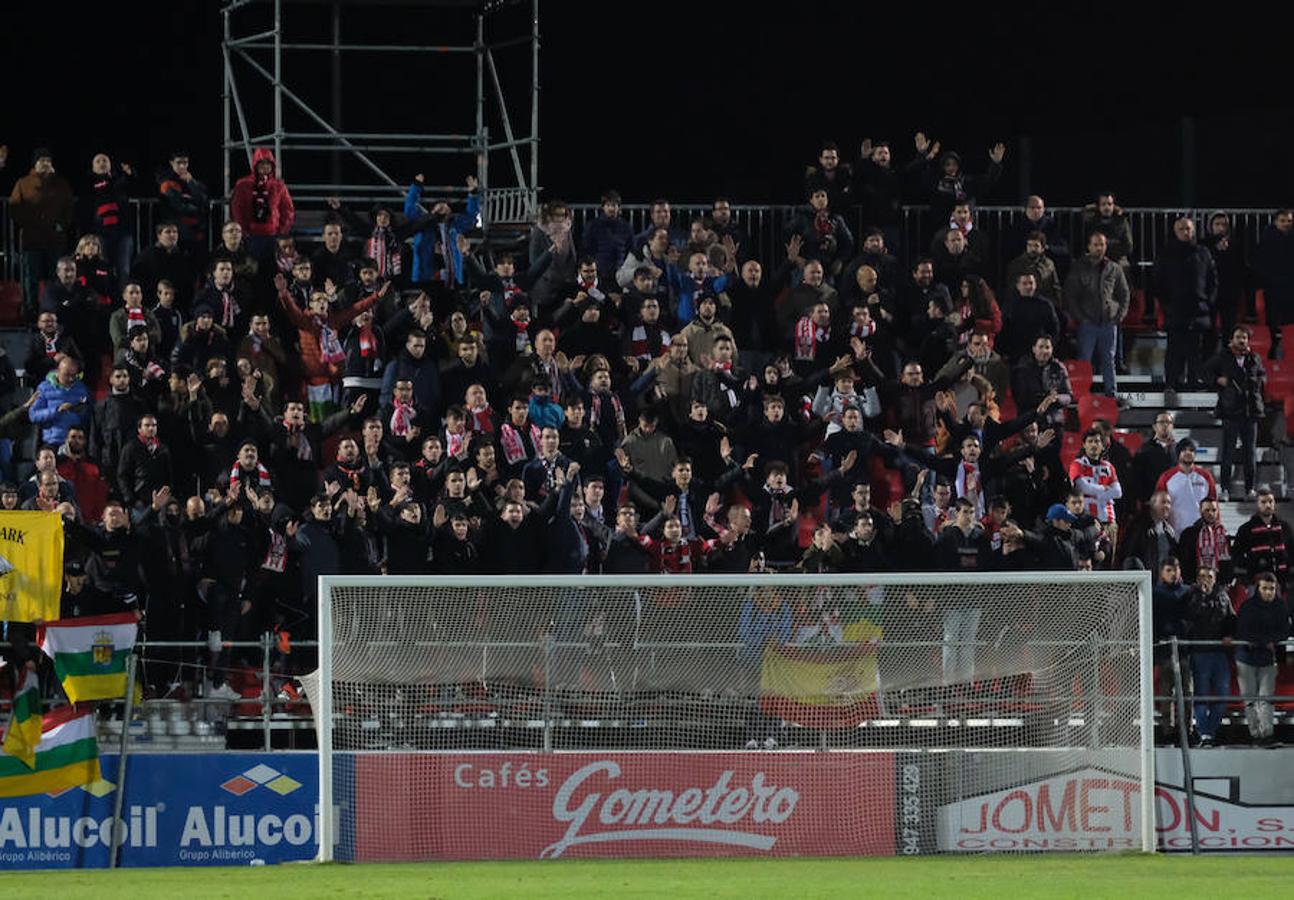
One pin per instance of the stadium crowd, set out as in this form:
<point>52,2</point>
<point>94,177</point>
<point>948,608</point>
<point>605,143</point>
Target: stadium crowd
<point>220,419</point>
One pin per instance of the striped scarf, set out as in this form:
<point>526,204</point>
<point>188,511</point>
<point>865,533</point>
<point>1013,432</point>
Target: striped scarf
<point>595,411</point>
<point>514,448</point>
<point>262,475</point>
<point>1211,545</point>
<point>807,338</point>
<point>384,249</point>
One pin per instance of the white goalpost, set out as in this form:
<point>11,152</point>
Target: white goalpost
<point>616,716</point>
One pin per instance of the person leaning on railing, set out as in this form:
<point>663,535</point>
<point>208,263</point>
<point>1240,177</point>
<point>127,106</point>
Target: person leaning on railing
<point>1262,623</point>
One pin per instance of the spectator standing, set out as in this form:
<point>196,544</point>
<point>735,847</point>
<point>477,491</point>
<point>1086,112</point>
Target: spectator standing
<point>608,238</point>
<point>1154,457</point>
<point>41,204</point>
<point>1186,282</point>
<point>1264,543</point>
<point>1096,293</point>
<point>1239,377</point>
<point>262,204</point>
<point>1209,618</point>
<point>1206,544</point>
<point>106,210</point>
<point>1261,624</point>
<point>1274,265</point>
<point>1187,484</point>
<point>186,202</point>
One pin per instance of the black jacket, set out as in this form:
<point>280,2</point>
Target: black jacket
<point>1242,396</point>
<point>959,552</point>
<point>1186,281</point>
<point>141,472</point>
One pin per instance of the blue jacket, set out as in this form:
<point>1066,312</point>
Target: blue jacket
<point>427,237</point>
<point>608,241</point>
<point>50,395</point>
<point>685,290</point>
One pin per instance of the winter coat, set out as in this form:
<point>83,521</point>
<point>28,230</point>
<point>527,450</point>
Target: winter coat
<point>186,202</point>
<point>41,206</point>
<point>1259,623</point>
<point>1242,396</point>
<point>1274,264</point>
<point>607,240</point>
<point>54,424</point>
<point>262,205</point>
<point>1096,293</point>
<point>1186,282</point>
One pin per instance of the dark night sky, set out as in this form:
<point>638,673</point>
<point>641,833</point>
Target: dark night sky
<point>690,100</point>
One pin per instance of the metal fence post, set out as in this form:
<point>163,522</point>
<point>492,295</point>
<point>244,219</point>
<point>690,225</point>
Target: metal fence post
<point>1188,779</point>
<point>267,693</point>
<point>122,754</point>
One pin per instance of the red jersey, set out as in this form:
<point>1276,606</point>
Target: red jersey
<point>1100,486</point>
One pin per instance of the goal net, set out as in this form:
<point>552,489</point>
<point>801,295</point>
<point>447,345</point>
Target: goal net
<point>544,717</point>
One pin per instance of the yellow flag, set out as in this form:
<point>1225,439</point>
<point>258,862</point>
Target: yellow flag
<point>31,565</point>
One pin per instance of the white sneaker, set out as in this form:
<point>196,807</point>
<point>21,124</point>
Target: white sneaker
<point>752,744</point>
<point>224,692</point>
<point>770,743</point>
<point>1224,496</point>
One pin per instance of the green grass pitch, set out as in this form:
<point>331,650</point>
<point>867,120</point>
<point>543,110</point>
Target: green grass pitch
<point>1129,876</point>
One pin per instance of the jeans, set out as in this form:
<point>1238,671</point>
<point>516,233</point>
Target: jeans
<point>1100,340</point>
<point>961,626</point>
<point>1210,677</point>
<point>1256,681</point>
<point>1247,432</point>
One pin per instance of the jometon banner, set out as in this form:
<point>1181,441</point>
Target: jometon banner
<point>415,806</point>
<point>31,565</point>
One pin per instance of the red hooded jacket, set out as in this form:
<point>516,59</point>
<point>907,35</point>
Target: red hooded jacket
<point>262,206</point>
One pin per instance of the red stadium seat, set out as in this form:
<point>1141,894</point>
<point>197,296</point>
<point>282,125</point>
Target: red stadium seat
<point>1260,307</point>
<point>1080,375</point>
<point>1280,378</point>
<point>1096,406</point>
<point>1131,440</point>
<point>1260,339</point>
<point>1135,320</point>
<point>1071,445</point>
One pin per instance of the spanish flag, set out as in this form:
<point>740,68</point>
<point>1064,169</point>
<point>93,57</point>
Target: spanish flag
<point>31,565</point>
<point>23,732</point>
<point>66,757</point>
<point>828,686</point>
<point>90,654</point>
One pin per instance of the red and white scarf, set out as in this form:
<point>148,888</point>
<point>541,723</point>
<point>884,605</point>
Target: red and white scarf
<point>262,475</point>
<point>522,340</point>
<point>640,349</point>
<point>384,249</point>
<point>514,448</point>
<point>807,338</point>
<point>861,331</point>
<point>1211,545</point>
<point>969,482</point>
<point>401,417</point>
<point>454,441</point>
<point>229,308</point>
<point>482,419</point>
<point>150,444</point>
<point>367,341</point>
<point>135,316</point>
<point>595,410</point>
<point>330,348</point>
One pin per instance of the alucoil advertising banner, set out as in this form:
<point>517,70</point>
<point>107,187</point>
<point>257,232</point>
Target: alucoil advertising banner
<point>180,810</point>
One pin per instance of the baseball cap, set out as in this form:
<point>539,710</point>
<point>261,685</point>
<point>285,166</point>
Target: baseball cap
<point>1060,511</point>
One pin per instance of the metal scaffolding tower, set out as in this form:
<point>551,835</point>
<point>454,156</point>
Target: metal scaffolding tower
<point>283,88</point>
